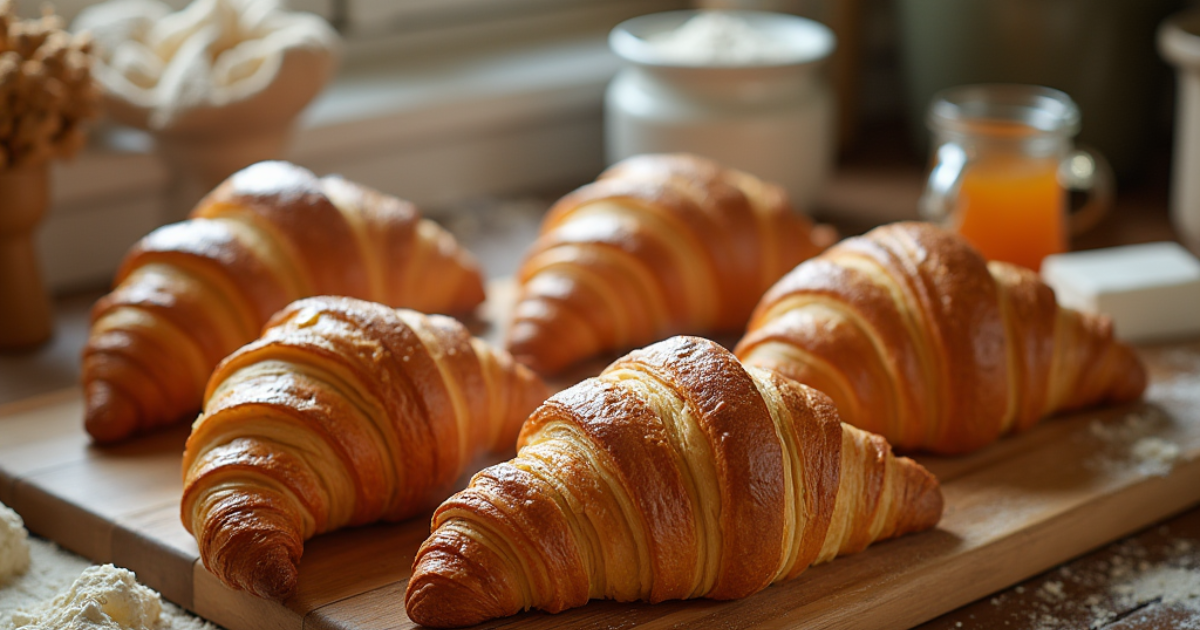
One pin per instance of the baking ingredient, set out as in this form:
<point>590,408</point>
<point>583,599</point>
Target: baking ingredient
<point>14,545</point>
<point>1167,584</point>
<point>53,571</point>
<point>1155,456</point>
<point>1151,291</point>
<point>1152,581</point>
<point>1128,429</point>
<point>716,38</point>
<point>46,89</point>
<point>103,598</point>
<point>1134,442</point>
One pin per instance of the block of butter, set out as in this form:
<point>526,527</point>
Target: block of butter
<point>1151,291</point>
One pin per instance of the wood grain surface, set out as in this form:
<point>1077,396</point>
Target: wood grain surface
<point>1013,510</point>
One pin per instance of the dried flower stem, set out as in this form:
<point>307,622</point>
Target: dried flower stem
<point>46,88</point>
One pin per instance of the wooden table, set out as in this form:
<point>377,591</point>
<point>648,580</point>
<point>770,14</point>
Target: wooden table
<point>1077,594</point>
<point>883,181</point>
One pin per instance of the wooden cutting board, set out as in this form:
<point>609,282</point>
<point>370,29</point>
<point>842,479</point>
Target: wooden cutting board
<point>1013,510</point>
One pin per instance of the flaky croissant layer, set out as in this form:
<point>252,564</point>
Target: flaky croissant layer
<point>675,474</point>
<point>190,293</point>
<point>657,245</point>
<point>344,412</point>
<point>916,337</point>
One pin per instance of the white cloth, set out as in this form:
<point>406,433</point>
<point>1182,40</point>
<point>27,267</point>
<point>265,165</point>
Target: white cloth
<point>240,63</point>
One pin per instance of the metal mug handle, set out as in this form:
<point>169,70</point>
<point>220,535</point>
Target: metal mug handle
<point>1086,170</point>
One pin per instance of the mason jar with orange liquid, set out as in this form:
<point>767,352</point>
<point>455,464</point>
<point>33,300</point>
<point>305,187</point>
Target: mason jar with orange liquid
<point>1003,165</point>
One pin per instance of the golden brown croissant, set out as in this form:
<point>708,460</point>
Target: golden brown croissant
<point>917,338</point>
<point>343,413</point>
<point>190,293</point>
<point>675,474</point>
<point>658,245</point>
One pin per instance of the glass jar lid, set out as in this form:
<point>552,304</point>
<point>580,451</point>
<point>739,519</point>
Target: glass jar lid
<point>1004,110</point>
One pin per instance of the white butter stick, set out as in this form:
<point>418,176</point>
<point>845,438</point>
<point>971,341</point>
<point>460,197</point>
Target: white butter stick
<point>1151,291</point>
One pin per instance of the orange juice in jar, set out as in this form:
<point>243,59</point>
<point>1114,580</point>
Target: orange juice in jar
<point>998,173</point>
<point>1013,209</point>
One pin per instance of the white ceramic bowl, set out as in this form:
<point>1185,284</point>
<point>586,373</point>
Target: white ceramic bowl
<point>774,119</point>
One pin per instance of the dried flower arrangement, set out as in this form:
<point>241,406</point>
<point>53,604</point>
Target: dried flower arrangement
<point>46,88</point>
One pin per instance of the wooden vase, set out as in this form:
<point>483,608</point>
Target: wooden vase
<point>25,313</point>
<point>200,161</point>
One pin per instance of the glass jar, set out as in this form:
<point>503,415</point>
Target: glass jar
<point>1003,164</point>
<point>772,119</point>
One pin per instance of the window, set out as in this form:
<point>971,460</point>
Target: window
<point>437,101</point>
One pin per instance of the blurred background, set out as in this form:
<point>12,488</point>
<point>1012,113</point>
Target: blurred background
<point>456,104</point>
<point>485,112</point>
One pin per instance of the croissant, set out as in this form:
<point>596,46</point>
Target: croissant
<point>658,245</point>
<point>343,413</point>
<point>675,474</point>
<point>188,294</point>
<point>917,338</point>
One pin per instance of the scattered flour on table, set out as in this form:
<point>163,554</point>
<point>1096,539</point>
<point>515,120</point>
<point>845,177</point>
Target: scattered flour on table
<point>1175,586</point>
<point>1131,441</point>
<point>51,571</point>
<point>1136,580</point>
<point>1155,456</point>
<point>1141,439</point>
<point>1184,387</point>
<point>14,545</point>
<point>1124,585</point>
<point>1052,591</point>
<point>103,598</point>
<point>1128,429</point>
<point>52,578</point>
<point>1181,391</point>
<point>1186,358</point>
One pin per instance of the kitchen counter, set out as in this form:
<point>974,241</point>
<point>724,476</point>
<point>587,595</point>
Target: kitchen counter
<point>872,186</point>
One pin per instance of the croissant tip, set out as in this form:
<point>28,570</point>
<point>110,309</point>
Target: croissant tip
<point>539,346</point>
<point>472,294</point>
<point>931,504</point>
<point>531,361</point>
<point>457,581</point>
<point>273,576</point>
<point>1136,380</point>
<point>110,415</point>
<point>926,504</point>
<point>436,602</point>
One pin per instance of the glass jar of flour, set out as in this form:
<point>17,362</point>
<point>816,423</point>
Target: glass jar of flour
<point>745,88</point>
